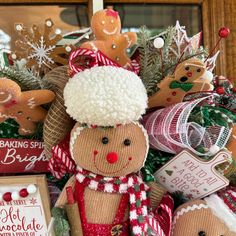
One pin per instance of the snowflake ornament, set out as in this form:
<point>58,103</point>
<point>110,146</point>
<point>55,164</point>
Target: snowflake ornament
<point>180,41</point>
<point>182,44</point>
<point>40,49</point>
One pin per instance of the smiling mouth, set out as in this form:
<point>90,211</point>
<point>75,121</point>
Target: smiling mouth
<point>7,99</point>
<point>109,32</point>
<point>107,172</point>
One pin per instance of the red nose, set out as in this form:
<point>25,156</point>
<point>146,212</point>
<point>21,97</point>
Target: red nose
<point>112,157</point>
<point>189,74</point>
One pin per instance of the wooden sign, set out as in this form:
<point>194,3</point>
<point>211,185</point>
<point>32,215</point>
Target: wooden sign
<point>27,216</point>
<point>22,155</point>
<point>192,176</point>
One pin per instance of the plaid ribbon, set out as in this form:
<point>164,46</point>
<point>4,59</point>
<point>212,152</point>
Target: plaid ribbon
<point>83,58</point>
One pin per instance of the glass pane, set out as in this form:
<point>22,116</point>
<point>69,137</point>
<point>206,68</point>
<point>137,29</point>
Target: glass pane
<point>159,16</point>
<point>65,17</point>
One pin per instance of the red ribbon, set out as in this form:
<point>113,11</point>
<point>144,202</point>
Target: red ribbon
<point>61,161</point>
<point>84,58</point>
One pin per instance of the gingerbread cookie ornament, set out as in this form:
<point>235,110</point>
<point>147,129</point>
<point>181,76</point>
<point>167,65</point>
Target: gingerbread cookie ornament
<point>190,76</point>
<point>106,26</point>
<point>23,107</point>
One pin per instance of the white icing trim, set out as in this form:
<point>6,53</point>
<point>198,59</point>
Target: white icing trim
<point>188,209</point>
<point>73,138</point>
<point>7,99</point>
<point>110,32</point>
<point>222,211</point>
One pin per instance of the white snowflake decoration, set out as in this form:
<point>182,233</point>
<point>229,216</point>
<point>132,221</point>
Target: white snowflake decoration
<point>41,52</point>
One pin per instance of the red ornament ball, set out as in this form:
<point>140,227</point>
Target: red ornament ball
<point>23,192</point>
<point>234,90</point>
<point>224,32</point>
<point>220,90</point>
<point>7,197</point>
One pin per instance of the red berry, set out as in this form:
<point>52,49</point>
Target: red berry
<point>7,197</point>
<point>23,192</point>
<point>220,90</point>
<point>224,32</point>
<point>234,90</point>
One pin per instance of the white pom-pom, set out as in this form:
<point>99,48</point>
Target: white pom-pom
<point>15,195</point>
<point>158,43</point>
<point>1,197</point>
<point>214,149</point>
<point>105,96</point>
<point>31,189</point>
<point>208,76</point>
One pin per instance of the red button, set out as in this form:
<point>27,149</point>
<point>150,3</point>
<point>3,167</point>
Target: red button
<point>174,93</point>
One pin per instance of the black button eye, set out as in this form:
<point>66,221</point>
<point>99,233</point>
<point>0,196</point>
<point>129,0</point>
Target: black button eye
<point>127,142</point>
<point>198,70</point>
<point>202,233</point>
<point>187,68</point>
<point>28,118</point>
<point>105,140</point>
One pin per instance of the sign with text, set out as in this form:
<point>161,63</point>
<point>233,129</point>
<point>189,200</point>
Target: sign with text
<point>192,176</point>
<point>27,216</point>
<point>22,155</point>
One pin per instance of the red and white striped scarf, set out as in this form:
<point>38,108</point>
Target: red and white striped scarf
<point>131,184</point>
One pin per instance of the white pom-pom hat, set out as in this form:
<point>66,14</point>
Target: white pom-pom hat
<point>105,96</point>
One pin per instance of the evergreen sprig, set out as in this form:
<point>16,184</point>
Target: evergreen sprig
<point>24,78</point>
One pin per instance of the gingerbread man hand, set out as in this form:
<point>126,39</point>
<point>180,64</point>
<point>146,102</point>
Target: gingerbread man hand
<point>23,107</point>
<point>106,26</point>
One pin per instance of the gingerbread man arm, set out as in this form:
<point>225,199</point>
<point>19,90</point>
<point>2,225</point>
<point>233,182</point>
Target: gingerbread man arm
<point>62,200</point>
<point>130,37</point>
<point>201,86</point>
<point>37,97</point>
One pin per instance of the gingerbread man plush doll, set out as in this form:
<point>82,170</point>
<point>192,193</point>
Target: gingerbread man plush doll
<point>213,216</point>
<point>190,76</point>
<point>106,26</point>
<point>109,146</point>
<point>23,107</point>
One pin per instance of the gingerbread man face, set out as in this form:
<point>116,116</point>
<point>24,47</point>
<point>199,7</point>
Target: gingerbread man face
<point>9,92</point>
<point>190,70</point>
<point>195,218</point>
<point>105,23</point>
<point>110,151</point>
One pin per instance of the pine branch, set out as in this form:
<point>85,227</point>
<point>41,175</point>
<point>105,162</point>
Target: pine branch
<point>25,79</point>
